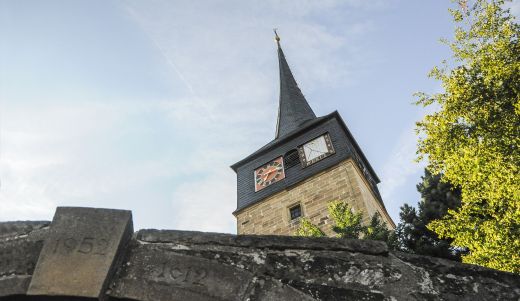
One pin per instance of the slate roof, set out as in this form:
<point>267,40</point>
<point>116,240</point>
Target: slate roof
<point>295,114</point>
<point>293,110</point>
<point>295,125</point>
<point>305,126</point>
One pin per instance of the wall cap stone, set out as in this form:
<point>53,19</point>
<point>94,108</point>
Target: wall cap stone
<point>188,265</point>
<point>19,228</point>
<point>274,242</point>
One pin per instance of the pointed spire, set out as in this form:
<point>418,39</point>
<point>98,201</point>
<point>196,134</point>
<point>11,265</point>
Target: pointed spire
<point>293,109</point>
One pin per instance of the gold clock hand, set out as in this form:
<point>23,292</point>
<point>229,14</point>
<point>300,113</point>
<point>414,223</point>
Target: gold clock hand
<point>267,175</point>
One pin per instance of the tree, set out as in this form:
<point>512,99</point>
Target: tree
<point>376,229</point>
<point>412,234</point>
<point>306,228</point>
<point>474,137</point>
<point>346,223</point>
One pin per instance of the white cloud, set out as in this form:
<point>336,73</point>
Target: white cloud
<point>65,154</point>
<point>36,146</point>
<point>400,171</point>
<point>206,205</point>
<point>226,58</point>
<point>102,153</point>
<point>400,164</point>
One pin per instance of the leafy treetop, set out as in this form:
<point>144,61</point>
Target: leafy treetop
<point>474,137</point>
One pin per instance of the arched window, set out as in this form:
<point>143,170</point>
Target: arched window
<point>291,158</point>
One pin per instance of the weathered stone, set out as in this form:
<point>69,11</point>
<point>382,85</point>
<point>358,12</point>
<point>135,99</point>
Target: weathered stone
<point>20,245</point>
<point>293,268</point>
<point>182,265</point>
<point>11,230</point>
<point>265,241</point>
<point>427,276</point>
<point>81,251</point>
<point>163,273</point>
<point>267,290</point>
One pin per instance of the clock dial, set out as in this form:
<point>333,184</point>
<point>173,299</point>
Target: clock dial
<point>269,173</point>
<point>315,150</point>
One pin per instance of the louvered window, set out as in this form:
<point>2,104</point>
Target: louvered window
<point>291,159</point>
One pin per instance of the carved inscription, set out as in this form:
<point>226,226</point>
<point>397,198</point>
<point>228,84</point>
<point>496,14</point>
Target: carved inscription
<point>157,273</point>
<point>85,245</point>
<point>175,274</point>
<point>79,253</point>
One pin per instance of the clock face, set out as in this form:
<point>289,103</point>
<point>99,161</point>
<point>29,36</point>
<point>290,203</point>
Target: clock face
<point>315,150</point>
<point>269,173</point>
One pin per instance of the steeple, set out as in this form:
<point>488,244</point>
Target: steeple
<point>308,155</point>
<point>293,109</point>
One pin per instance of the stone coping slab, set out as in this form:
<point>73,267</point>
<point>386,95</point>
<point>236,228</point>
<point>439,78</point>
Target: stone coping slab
<point>20,246</point>
<point>20,228</point>
<point>168,265</point>
<point>371,247</point>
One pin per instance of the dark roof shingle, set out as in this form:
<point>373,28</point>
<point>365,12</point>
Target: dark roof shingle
<point>293,110</point>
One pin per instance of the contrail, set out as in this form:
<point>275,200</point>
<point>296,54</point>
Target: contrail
<point>161,50</point>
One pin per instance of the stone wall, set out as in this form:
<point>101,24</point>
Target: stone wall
<point>342,182</point>
<point>167,265</point>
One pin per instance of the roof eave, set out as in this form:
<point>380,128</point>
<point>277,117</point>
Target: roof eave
<point>325,118</point>
<point>356,145</point>
<point>281,140</point>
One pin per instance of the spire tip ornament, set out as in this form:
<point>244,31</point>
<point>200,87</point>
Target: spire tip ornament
<point>276,37</point>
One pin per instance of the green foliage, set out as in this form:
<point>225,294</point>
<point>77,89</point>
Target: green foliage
<point>308,229</point>
<point>376,229</point>
<point>347,223</point>
<point>474,137</point>
<point>412,235</point>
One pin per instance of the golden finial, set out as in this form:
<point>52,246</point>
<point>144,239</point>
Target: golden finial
<point>276,37</point>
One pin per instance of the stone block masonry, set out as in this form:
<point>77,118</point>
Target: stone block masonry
<point>168,265</point>
<point>81,251</point>
<point>344,182</point>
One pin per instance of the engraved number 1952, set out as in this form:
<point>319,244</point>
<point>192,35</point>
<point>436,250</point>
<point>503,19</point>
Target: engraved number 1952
<point>87,245</point>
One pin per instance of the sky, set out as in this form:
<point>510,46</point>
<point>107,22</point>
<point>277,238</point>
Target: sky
<point>144,105</point>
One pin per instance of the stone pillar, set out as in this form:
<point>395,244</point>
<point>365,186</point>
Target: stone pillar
<point>83,248</point>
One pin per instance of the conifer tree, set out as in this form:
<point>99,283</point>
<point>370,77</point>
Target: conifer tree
<point>412,234</point>
<point>377,230</point>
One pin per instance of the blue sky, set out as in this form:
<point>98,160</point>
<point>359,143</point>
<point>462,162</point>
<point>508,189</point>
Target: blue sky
<point>144,105</point>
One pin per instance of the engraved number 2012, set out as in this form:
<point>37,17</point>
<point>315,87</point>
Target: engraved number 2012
<point>86,245</point>
<point>170,273</point>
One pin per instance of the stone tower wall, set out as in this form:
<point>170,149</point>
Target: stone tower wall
<point>342,182</point>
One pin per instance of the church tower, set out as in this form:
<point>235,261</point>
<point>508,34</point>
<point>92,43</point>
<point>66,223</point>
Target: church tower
<point>311,162</point>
